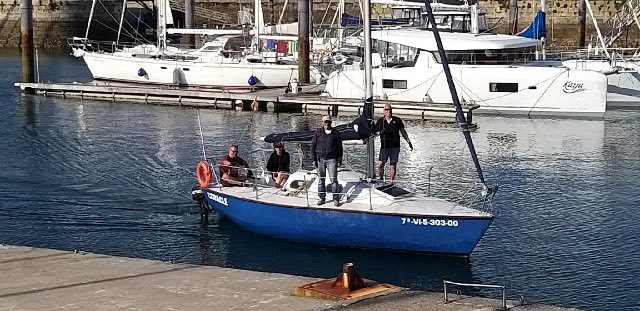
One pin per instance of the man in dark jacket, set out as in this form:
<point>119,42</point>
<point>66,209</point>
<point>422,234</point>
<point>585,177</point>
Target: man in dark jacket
<point>326,152</point>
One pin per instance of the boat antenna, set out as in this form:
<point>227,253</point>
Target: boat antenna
<point>462,122</point>
<point>204,155</point>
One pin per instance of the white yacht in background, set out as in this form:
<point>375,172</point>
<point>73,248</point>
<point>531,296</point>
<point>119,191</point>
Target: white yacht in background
<point>497,72</point>
<point>207,67</point>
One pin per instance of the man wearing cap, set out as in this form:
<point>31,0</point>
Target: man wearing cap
<point>390,128</point>
<point>326,152</point>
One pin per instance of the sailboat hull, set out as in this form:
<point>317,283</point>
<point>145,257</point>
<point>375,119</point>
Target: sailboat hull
<point>170,72</point>
<point>339,227</point>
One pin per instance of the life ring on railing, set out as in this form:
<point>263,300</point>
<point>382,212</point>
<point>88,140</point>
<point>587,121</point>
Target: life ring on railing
<point>203,173</point>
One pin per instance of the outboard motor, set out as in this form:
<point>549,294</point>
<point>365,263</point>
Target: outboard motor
<point>198,195</point>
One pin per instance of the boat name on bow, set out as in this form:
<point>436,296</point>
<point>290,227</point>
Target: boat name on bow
<point>572,87</point>
<point>220,199</point>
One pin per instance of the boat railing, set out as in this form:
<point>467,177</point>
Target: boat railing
<point>109,46</point>
<point>477,57</point>
<point>616,55</point>
<point>461,191</point>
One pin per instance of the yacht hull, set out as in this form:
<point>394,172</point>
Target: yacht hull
<point>358,229</point>
<point>623,83</point>
<point>513,90</point>
<point>171,72</point>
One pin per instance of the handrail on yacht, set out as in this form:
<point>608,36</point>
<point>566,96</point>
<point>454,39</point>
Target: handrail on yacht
<point>467,194</point>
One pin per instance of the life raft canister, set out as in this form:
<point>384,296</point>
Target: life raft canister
<point>203,172</point>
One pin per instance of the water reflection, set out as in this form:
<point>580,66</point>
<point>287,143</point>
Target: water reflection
<point>114,179</point>
<point>29,113</point>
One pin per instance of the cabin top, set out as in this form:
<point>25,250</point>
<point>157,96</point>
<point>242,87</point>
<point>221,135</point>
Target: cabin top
<point>453,41</point>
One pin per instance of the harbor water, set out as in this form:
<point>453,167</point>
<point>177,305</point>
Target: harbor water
<point>115,178</point>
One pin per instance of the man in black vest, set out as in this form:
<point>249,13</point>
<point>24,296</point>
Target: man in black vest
<point>326,152</point>
<point>390,128</point>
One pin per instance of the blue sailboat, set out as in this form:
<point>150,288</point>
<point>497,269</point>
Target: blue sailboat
<point>374,214</point>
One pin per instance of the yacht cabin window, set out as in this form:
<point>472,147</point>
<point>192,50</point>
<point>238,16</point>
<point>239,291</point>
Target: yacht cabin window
<point>455,22</point>
<point>395,55</point>
<point>394,84</point>
<point>412,15</point>
<point>503,87</point>
<point>489,57</point>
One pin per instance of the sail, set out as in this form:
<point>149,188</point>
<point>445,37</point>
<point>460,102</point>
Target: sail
<point>537,28</point>
<point>358,129</point>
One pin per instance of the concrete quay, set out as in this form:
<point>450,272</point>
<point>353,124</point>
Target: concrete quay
<point>45,279</point>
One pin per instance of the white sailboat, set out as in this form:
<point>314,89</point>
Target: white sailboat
<point>161,65</point>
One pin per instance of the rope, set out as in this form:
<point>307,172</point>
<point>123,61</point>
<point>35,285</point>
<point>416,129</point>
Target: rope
<point>538,100</point>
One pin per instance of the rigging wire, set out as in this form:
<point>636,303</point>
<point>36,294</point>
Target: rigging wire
<point>204,154</point>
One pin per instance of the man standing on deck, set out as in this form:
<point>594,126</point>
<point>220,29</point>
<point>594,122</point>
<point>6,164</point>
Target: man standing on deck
<point>326,152</point>
<point>390,128</point>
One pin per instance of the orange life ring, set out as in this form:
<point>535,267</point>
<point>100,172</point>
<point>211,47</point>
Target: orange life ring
<point>203,172</point>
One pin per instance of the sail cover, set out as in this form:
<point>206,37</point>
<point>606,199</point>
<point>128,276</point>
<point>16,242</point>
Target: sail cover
<point>358,129</point>
<point>537,28</point>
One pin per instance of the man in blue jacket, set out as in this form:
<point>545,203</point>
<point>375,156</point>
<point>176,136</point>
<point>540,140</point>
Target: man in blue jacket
<point>326,152</point>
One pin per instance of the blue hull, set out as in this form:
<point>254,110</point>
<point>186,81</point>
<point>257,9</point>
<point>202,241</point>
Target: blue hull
<point>414,233</point>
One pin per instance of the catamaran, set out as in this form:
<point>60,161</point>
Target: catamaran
<point>498,72</point>
<point>374,214</point>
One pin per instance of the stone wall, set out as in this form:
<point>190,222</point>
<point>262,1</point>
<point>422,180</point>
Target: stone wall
<point>56,20</point>
<point>53,21</point>
<point>562,19</point>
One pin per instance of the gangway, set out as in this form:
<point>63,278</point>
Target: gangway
<point>210,15</point>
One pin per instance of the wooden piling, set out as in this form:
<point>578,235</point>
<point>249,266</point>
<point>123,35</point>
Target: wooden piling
<point>26,40</point>
<point>189,20</point>
<point>513,17</point>
<point>582,17</point>
<point>303,41</point>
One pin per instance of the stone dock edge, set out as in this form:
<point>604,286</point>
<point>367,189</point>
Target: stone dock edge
<point>47,279</point>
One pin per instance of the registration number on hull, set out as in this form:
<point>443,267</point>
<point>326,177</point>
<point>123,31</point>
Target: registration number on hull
<point>429,222</point>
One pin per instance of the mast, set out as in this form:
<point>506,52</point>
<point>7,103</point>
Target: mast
<point>93,7</point>
<point>595,23</point>
<point>368,86</point>
<point>124,9</point>
<point>462,122</point>
<point>162,25</point>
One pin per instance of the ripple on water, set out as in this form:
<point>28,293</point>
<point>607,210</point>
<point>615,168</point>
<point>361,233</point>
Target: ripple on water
<point>116,179</point>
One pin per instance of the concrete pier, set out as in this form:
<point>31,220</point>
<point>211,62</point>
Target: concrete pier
<point>45,279</point>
